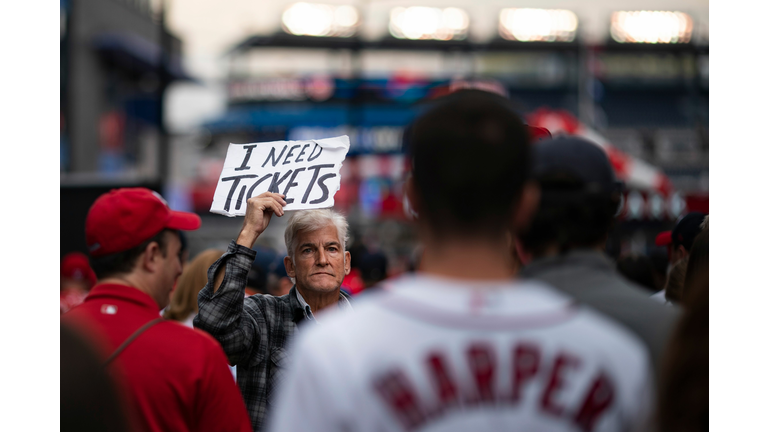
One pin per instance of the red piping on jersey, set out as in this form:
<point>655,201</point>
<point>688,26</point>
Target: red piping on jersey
<point>432,315</point>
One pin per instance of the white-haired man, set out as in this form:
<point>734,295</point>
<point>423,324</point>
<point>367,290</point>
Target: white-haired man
<point>254,331</point>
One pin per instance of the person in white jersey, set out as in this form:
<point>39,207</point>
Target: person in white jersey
<point>459,345</point>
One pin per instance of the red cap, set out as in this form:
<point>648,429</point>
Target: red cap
<point>75,265</point>
<point>664,238</point>
<point>538,133</point>
<point>124,218</point>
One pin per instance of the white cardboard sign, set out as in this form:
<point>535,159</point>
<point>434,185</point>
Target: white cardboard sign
<point>306,172</point>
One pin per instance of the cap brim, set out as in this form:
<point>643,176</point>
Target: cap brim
<point>664,238</point>
<point>538,133</point>
<point>183,221</point>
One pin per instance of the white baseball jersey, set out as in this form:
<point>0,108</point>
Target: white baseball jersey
<point>435,354</point>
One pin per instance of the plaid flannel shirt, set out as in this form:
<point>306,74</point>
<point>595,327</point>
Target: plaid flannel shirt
<point>253,331</point>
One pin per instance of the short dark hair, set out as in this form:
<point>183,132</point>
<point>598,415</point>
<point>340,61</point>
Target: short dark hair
<point>470,156</point>
<point>568,216</point>
<point>123,262</point>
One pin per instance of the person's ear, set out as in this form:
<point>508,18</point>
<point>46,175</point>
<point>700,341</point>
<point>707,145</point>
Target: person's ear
<point>289,267</point>
<point>522,254</point>
<point>347,262</point>
<point>412,204</point>
<point>527,206</point>
<point>150,258</point>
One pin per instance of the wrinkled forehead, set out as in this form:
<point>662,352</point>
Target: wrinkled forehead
<point>324,235</point>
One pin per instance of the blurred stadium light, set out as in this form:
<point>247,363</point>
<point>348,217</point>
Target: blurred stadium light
<point>310,19</point>
<point>538,25</point>
<point>428,23</point>
<point>651,27</point>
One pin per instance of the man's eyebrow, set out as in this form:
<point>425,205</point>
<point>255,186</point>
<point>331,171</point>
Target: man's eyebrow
<point>303,245</point>
<point>332,243</point>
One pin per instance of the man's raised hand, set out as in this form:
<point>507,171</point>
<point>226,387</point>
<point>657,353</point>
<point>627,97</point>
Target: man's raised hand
<point>258,212</point>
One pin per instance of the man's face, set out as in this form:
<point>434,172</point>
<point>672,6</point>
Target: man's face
<point>319,264</point>
<point>169,270</point>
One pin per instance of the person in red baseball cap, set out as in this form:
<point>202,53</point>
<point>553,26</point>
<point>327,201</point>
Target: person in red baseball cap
<point>678,243</point>
<point>175,378</point>
<point>124,224</point>
<point>680,239</point>
<point>77,278</point>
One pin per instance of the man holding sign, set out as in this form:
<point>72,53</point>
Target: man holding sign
<point>254,331</point>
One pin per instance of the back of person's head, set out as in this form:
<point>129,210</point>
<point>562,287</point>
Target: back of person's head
<point>673,289</point>
<point>579,196</point>
<point>122,223</point>
<point>192,280</point>
<point>698,267</point>
<point>90,401</point>
<point>470,159</point>
<point>638,269</point>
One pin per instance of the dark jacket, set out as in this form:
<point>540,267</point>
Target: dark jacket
<point>591,278</point>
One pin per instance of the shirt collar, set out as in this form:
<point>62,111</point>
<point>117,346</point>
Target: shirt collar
<point>305,307</point>
<point>343,303</point>
<point>124,293</point>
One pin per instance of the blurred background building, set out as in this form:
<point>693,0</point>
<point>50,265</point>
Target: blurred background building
<point>154,91</point>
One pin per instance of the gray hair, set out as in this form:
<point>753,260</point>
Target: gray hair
<point>313,220</point>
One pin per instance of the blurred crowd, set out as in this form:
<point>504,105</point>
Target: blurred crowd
<point>146,330</point>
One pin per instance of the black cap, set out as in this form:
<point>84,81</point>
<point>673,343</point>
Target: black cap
<point>580,158</point>
<point>373,266</point>
<point>278,268</point>
<point>687,228</point>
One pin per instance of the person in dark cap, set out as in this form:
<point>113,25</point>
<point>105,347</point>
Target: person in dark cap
<point>580,197</point>
<point>680,239</point>
<point>373,268</point>
<point>679,242</point>
<point>278,281</point>
<point>257,279</point>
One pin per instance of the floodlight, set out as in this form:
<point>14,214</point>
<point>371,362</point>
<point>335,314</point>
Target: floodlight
<point>313,19</point>
<point>651,27</point>
<point>538,25</point>
<point>419,22</point>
